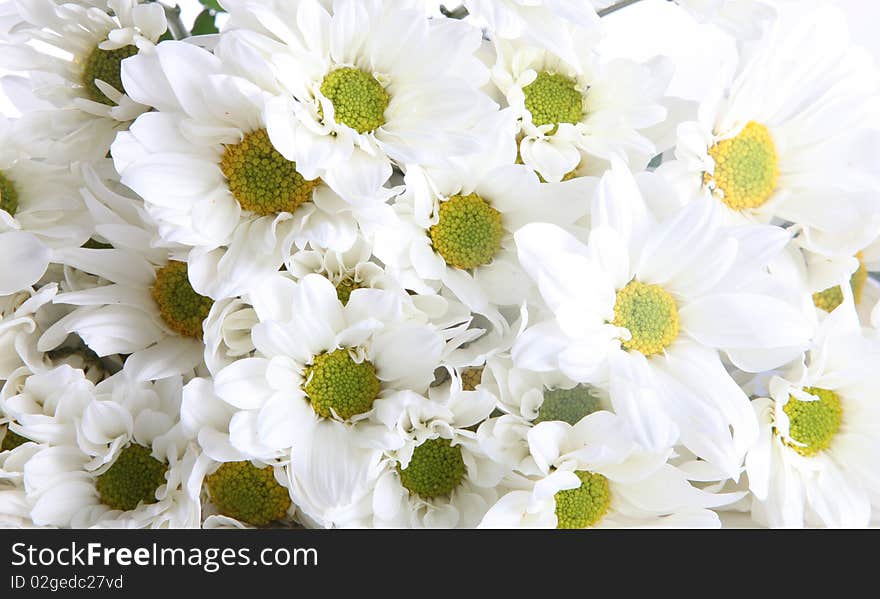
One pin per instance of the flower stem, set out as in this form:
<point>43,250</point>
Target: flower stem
<point>175,24</point>
<point>615,7</point>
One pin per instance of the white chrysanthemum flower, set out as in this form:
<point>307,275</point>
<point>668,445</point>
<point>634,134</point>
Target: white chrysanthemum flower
<point>593,475</point>
<point>211,177</point>
<point>650,304</point>
<point>456,227</point>
<point>776,141</point>
<point>76,64</point>
<point>570,112</point>
<point>318,360</point>
<point>367,85</point>
<point>20,329</point>
<point>817,459</point>
<point>234,490</point>
<point>39,199</point>
<point>438,477</point>
<point>123,468</point>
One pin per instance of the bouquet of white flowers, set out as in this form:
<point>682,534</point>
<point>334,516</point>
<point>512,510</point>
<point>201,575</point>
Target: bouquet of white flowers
<point>404,263</point>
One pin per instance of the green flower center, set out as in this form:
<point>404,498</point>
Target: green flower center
<point>12,440</point>
<point>746,168</point>
<point>261,179</point>
<point>344,288</point>
<point>650,315</point>
<point>568,405</point>
<point>106,66</point>
<point>435,470</point>
<point>8,195</point>
<point>468,233</point>
<point>585,506</point>
<point>359,101</point>
<point>134,477</point>
<point>182,309</point>
<point>249,494</point>
<point>832,297</point>
<point>813,424</point>
<point>335,383</point>
<point>552,99</point>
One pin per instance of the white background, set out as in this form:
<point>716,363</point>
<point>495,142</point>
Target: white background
<point>658,27</point>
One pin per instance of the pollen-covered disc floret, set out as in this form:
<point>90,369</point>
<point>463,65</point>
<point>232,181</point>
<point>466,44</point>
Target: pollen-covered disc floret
<point>261,179</point>
<point>585,506</point>
<point>832,297</point>
<point>106,66</point>
<point>471,377</point>
<point>568,405</point>
<point>358,99</point>
<point>651,316</point>
<point>133,478</point>
<point>247,493</point>
<point>344,288</point>
<point>11,441</point>
<point>746,168</point>
<point>435,469</point>
<point>8,195</point>
<point>334,382</point>
<point>813,424</point>
<point>182,309</point>
<point>553,98</point>
<point>468,233</point>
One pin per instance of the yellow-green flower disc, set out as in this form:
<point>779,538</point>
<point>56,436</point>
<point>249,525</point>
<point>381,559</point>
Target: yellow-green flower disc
<point>106,66</point>
<point>651,316</point>
<point>12,440</point>
<point>468,233</point>
<point>435,470</point>
<point>832,297</point>
<point>334,382</point>
<point>261,179</point>
<point>182,309</point>
<point>568,405</point>
<point>8,195</point>
<point>553,98</point>
<point>746,167</point>
<point>471,377</point>
<point>586,505</point>
<point>344,288</point>
<point>133,478</point>
<point>814,423</point>
<point>358,99</point>
<point>249,494</point>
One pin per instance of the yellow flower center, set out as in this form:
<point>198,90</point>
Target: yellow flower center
<point>334,382</point>
<point>358,99</point>
<point>249,494</point>
<point>435,469</point>
<point>650,314</point>
<point>106,66</point>
<point>586,505</point>
<point>261,179</point>
<point>468,233</point>
<point>832,297</point>
<point>813,424</point>
<point>182,309</point>
<point>746,168</point>
<point>8,195</point>
<point>553,98</point>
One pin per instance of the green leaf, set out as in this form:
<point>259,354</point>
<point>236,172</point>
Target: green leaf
<point>213,5</point>
<point>204,23</point>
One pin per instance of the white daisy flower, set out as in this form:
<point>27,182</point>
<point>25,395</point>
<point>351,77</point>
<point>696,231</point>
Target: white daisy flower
<point>651,304</point>
<point>439,477</point>
<point>816,459</point>
<point>76,65</point>
<point>776,141</point>
<point>319,361</point>
<point>211,177</point>
<point>37,198</point>
<point>593,475</point>
<point>456,228</point>
<point>20,329</point>
<point>396,88</point>
<point>124,468</point>
<point>234,490</point>
<point>574,111</point>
